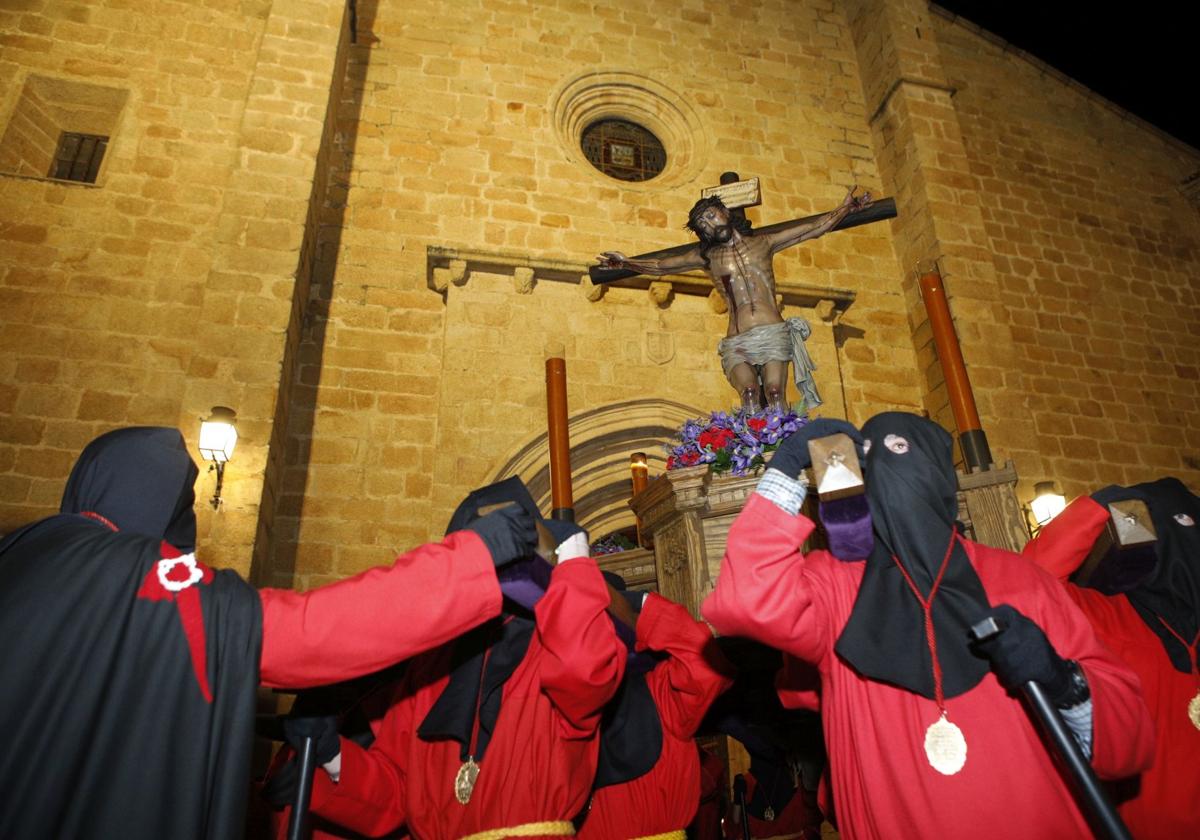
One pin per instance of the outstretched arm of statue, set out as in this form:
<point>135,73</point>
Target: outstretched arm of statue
<point>788,236</point>
<point>687,261</point>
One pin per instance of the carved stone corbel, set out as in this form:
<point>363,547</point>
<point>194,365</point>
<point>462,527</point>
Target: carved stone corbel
<point>523,279</point>
<point>660,292</point>
<point>591,291</point>
<point>455,272</point>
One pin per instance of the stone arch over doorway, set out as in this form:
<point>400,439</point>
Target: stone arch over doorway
<point>602,440</point>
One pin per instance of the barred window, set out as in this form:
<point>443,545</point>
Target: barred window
<point>623,150</point>
<point>78,157</point>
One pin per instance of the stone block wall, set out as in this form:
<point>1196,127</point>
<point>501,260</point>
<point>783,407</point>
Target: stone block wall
<point>166,288</point>
<point>458,145</point>
<point>102,287</point>
<point>259,237</point>
<point>1096,252</point>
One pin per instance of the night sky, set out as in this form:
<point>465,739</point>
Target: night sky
<point>1141,56</point>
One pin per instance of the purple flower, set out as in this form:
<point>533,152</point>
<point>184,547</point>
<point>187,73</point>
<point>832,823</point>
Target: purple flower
<point>732,441</point>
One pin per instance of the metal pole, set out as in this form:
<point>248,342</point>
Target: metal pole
<point>971,436</point>
<point>1088,793</point>
<point>297,824</point>
<point>739,796</point>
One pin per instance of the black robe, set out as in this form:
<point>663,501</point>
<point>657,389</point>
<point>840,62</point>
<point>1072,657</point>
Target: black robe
<point>107,732</point>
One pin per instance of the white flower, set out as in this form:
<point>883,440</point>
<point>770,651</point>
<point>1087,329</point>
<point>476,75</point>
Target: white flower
<point>167,566</point>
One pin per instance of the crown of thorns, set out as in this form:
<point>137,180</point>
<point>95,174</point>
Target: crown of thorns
<point>698,210</point>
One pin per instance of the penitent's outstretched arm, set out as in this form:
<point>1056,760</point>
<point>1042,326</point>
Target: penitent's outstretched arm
<point>687,261</point>
<point>801,231</point>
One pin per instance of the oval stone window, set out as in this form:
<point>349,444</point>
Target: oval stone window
<point>623,150</point>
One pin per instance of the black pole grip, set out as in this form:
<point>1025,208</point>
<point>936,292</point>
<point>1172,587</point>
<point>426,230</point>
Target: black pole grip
<point>739,796</point>
<point>297,824</point>
<point>1089,794</point>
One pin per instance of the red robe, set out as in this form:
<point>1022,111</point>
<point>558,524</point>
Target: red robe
<point>799,820</point>
<point>683,687</point>
<point>882,781</point>
<point>354,626</point>
<point>1165,799</point>
<point>542,756</point>
<point>707,823</point>
<point>367,622</point>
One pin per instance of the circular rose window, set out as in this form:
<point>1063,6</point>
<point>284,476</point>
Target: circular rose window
<point>622,124</point>
<point>623,150</point>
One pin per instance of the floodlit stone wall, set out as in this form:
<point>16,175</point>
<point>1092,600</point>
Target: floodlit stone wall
<point>1096,253</point>
<point>366,248</point>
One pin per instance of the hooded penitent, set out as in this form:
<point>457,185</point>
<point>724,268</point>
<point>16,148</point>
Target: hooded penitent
<point>141,480</point>
<point>119,724</point>
<point>487,656</point>
<point>631,731</point>
<point>1170,595</point>
<point>911,489</point>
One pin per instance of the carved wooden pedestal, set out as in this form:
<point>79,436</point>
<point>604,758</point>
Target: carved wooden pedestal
<point>688,512</point>
<point>988,507</point>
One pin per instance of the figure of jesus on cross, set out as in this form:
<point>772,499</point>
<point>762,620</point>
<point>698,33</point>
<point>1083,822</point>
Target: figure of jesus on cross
<point>759,342</point>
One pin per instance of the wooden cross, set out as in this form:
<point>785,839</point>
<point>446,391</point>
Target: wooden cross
<point>737,195</point>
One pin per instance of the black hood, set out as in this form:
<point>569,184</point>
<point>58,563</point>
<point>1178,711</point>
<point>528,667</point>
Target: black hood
<point>141,479</point>
<point>912,493</point>
<point>1171,593</point>
<point>484,658</point>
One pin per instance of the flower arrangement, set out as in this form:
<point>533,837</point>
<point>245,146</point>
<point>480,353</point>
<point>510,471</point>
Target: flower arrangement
<point>733,442</point>
<point>611,544</point>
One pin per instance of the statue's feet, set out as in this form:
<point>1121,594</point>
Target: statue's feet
<point>751,400</point>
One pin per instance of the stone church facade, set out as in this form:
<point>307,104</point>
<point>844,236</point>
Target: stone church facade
<point>363,226</point>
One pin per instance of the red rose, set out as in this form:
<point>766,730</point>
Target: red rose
<point>671,462</point>
<point>756,424</point>
<point>716,438</point>
<point>689,459</point>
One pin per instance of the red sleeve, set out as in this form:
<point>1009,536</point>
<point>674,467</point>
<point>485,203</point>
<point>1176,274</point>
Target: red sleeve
<point>764,591</point>
<point>1065,541</point>
<point>369,796</point>
<point>584,658</point>
<point>377,618</point>
<point>798,685</point>
<point>1122,732</point>
<point>687,683</point>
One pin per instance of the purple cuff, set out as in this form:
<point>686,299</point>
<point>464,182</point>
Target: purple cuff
<point>525,581</point>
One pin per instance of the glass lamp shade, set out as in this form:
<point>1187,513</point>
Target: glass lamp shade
<point>218,435</point>
<point>1047,502</point>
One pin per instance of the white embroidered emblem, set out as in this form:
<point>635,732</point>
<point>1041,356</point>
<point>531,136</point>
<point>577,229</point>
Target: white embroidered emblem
<point>167,566</point>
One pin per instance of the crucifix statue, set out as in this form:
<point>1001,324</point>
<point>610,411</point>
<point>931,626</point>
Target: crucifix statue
<point>759,343</point>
